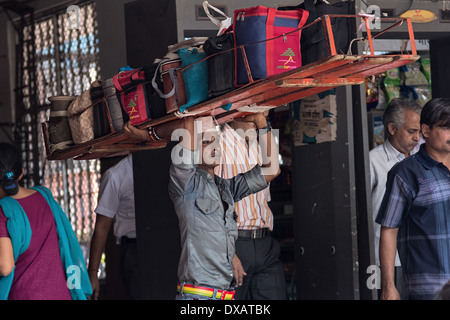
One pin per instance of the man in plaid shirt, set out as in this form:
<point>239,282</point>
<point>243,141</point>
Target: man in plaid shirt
<point>415,212</point>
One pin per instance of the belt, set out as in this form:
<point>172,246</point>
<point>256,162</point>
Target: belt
<point>254,234</point>
<point>206,291</point>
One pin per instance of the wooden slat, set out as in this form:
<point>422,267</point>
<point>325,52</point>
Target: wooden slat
<point>320,82</point>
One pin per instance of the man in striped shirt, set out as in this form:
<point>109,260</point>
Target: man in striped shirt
<point>256,265</point>
<point>415,211</point>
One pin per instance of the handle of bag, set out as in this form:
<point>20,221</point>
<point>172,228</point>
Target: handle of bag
<point>221,24</point>
<point>310,6</point>
<point>270,34</point>
<point>132,79</point>
<point>117,83</point>
<point>155,85</point>
<point>134,75</point>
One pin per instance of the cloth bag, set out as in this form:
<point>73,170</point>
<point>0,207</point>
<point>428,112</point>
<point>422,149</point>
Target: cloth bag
<point>168,78</point>
<point>195,75</point>
<point>313,41</point>
<point>102,124</point>
<point>172,81</point>
<point>116,112</point>
<point>220,64</point>
<point>81,116</point>
<point>133,95</point>
<point>253,26</point>
<point>59,134</point>
<point>221,57</point>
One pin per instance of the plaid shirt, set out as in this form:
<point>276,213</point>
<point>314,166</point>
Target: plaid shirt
<point>417,201</point>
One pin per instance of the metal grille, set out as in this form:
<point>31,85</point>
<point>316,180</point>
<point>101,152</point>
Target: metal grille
<point>58,60</point>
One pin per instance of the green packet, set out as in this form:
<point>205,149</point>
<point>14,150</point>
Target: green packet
<point>426,68</point>
<point>392,77</point>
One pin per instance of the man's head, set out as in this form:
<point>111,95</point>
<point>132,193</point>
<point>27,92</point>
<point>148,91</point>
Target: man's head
<point>435,124</point>
<point>211,151</point>
<point>210,147</point>
<point>401,121</point>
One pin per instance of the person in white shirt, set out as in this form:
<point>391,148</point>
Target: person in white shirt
<point>401,121</point>
<point>116,206</point>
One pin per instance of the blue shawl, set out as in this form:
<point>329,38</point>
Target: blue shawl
<point>20,232</point>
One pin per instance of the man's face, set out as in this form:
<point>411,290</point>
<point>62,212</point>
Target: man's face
<point>438,138</point>
<point>211,151</point>
<point>405,138</point>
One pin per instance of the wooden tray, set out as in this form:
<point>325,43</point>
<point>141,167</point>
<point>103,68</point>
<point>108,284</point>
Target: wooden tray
<point>331,72</point>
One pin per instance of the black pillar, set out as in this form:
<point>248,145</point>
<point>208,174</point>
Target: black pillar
<point>324,213</point>
<point>150,27</point>
<point>440,68</point>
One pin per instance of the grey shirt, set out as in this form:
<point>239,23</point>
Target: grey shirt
<point>205,208</point>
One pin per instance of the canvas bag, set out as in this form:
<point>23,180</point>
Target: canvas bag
<point>220,64</point>
<point>170,75</point>
<point>157,104</point>
<point>59,133</point>
<point>313,42</point>
<point>221,57</point>
<point>81,117</point>
<point>102,125</point>
<point>195,75</point>
<point>172,82</point>
<point>133,95</point>
<point>253,26</point>
<point>114,108</point>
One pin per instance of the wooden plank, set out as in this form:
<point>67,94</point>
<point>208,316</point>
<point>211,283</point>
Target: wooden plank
<point>121,147</point>
<point>397,62</point>
<point>293,96</point>
<point>71,152</point>
<point>356,67</point>
<point>91,156</point>
<point>320,82</point>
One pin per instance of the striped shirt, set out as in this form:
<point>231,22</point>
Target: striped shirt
<point>238,156</point>
<point>417,201</point>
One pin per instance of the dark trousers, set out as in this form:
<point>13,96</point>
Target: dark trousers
<point>129,267</point>
<point>265,277</point>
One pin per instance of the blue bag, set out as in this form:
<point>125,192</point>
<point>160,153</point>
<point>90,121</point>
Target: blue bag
<point>195,76</point>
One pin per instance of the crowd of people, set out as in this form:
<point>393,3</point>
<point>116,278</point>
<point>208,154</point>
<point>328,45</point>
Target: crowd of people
<point>219,185</point>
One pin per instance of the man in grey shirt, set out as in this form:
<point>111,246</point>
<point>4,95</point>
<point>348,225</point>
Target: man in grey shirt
<point>204,204</point>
